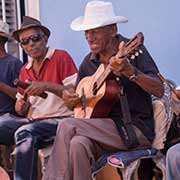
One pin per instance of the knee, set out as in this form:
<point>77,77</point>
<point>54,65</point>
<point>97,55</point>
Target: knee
<point>21,134</point>
<point>65,124</point>
<point>79,144</point>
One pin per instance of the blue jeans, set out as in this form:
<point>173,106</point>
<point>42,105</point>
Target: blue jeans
<point>29,139</point>
<point>126,158</point>
<point>173,163</point>
<point>8,125</point>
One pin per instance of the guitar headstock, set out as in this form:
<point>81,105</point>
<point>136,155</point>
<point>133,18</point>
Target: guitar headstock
<point>132,47</point>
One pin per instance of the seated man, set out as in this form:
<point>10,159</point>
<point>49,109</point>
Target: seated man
<point>173,155</point>
<point>49,70</point>
<point>79,142</point>
<point>9,69</point>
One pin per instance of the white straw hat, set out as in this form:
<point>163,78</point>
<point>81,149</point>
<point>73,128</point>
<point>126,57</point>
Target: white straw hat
<point>97,14</point>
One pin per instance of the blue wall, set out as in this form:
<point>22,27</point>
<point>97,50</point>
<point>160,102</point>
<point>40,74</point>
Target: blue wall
<point>157,19</point>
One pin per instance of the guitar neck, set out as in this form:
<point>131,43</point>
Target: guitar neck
<point>103,77</point>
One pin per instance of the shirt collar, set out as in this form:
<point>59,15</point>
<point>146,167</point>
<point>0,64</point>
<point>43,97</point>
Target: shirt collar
<point>94,57</point>
<point>49,54</point>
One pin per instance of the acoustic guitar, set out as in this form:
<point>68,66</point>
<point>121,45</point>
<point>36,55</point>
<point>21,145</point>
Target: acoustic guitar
<point>97,92</point>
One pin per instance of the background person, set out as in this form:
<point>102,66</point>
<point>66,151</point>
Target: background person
<point>173,156</point>
<point>9,70</point>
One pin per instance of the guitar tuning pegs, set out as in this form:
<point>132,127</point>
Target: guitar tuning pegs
<point>136,53</point>
<point>132,57</point>
<point>140,51</point>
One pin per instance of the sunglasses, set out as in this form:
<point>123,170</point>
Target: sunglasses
<point>33,38</point>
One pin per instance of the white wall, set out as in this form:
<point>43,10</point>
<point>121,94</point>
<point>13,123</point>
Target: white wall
<point>157,19</point>
<point>32,8</point>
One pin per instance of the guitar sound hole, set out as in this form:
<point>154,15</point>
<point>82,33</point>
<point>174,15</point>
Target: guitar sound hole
<point>95,88</point>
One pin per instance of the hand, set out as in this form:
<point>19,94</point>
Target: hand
<point>70,98</point>
<point>1,86</point>
<point>120,64</point>
<point>35,88</point>
<point>22,107</point>
<point>176,95</point>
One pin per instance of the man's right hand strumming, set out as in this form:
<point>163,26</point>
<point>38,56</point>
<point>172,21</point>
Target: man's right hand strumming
<point>70,98</point>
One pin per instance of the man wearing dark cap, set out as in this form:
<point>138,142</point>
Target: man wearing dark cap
<point>9,70</point>
<point>48,71</point>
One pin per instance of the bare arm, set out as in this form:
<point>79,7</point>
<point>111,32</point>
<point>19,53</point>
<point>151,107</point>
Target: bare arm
<point>8,90</point>
<point>152,85</point>
<point>37,88</point>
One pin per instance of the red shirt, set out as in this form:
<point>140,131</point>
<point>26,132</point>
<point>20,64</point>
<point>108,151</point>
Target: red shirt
<point>57,67</point>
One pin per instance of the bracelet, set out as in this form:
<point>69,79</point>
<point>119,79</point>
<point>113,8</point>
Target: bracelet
<point>134,76</point>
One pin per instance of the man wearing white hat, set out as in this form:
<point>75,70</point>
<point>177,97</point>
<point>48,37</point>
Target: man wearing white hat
<point>9,70</point>
<point>79,142</point>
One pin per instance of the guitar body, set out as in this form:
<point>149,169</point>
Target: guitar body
<point>97,105</point>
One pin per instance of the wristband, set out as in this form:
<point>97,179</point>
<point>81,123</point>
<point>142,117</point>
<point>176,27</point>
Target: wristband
<point>134,76</point>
